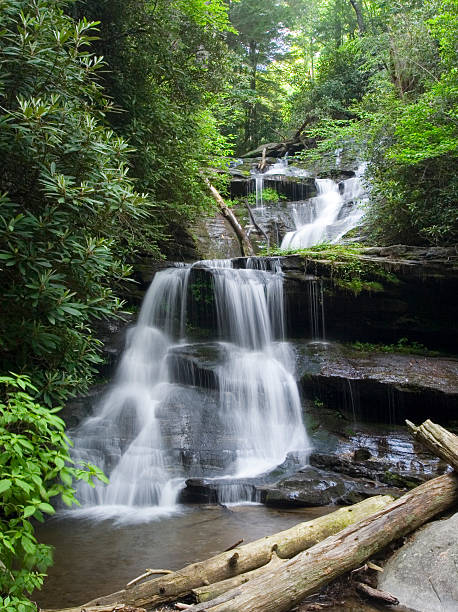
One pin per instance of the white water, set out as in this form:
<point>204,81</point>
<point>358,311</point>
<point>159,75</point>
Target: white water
<point>330,215</point>
<point>259,400</point>
<point>123,437</point>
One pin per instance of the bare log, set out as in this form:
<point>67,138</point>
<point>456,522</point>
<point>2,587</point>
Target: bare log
<point>256,554</point>
<point>111,608</point>
<point>441,442</point>
<point>282,589</point>
<point>206,593</point>
<point>246,247</point>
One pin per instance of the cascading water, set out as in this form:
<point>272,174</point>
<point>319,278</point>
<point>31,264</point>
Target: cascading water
<point>336,210</point>
<point>123,437</point>
<point>259,402</point>
<point>281,168</point>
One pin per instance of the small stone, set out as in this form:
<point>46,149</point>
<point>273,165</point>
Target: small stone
<point>362,454</point>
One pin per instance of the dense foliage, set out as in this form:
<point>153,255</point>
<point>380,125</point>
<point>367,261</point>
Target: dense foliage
<point>167,69</point>
<point>67,207</point>
<point>70,217</point>
<point>35,467</point>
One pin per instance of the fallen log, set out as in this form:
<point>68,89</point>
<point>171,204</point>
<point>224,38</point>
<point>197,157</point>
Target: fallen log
<point>286,586</point>
<point>441,442</point>
<point>111,608</point>
<point>251,556</point>
<point>246,247</point>
<point>206,593</point>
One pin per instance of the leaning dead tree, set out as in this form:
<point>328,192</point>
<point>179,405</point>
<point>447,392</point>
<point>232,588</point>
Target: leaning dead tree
<point>277,572</point>
<point>246,247</point>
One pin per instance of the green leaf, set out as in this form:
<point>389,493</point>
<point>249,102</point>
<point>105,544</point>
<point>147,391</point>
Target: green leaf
<point>46,508</point>
<point>28,511</point>
<point>5,485</point>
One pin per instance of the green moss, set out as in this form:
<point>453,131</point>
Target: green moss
<point>403,345</point>
<point>202,292</point>
<point>356,285</point>
<point>397,480</point>
<point>348,269</point>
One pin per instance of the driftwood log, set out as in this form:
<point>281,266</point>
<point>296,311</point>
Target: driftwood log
<point>438,440</point>
<point>251,556</point>
<point>246,247</point>
<point>286,586</point>
<point>206,593</point>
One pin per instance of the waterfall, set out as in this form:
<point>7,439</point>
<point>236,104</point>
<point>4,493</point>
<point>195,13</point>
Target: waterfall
<point>280,168</point>
<point>336,210</point>
<point>316,309</point>
<point>259,402</point>
<point>123,437</point>
<point>259,190</point>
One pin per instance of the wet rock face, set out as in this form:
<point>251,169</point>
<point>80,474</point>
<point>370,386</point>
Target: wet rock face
<point>291,187</point>
<point>308,487</point>
<point>422,574</point>
<point>191,424</point>
<point>196,364</point>
<point>386,387</point>
<point>218,491</point>
<point>417,300</point>
<point>78,408</point>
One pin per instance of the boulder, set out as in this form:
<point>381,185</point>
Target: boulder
<point>219,491</point>
<point>422,574</point>
<point>313,487</point>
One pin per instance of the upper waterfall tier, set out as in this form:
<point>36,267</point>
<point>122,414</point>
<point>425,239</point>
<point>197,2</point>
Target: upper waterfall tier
<point>337,209</point>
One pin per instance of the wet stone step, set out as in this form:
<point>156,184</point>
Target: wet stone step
<point>385,387</point>
<point>196,364</point>
<point>314,487</point>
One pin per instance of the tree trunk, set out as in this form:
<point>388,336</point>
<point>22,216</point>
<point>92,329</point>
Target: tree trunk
<point>246,247</point>
<point>285,544</point>
<point>359,16</point>
<point>282,589</point>
<point>440,441</point>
